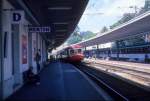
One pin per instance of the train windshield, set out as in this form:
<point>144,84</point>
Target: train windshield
<point>79,50</point>
<point>72,51</point>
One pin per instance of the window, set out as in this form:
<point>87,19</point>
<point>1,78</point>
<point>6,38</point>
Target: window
<point>71,51</point>
<point>79,50</point>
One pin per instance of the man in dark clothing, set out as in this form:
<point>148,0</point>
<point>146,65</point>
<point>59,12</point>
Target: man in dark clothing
<point>38,59</point>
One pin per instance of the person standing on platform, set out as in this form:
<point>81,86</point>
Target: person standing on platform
<point>38,59</point>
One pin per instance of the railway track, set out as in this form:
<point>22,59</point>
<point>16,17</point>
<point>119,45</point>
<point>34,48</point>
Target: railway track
<point>125,67</point>
<point>117,88</point>
<point>142,76</point>
<point>134,69</point>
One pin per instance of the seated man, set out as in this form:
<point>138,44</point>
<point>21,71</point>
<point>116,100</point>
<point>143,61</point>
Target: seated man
<point>32,78</point>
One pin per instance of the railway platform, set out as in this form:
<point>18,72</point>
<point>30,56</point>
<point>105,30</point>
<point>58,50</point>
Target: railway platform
<point>61,81</point>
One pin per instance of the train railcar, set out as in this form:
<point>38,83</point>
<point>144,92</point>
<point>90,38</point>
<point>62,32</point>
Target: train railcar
<point>72,53</point>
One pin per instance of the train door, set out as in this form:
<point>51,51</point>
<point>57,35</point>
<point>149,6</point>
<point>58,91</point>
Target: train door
<point>15,54</point>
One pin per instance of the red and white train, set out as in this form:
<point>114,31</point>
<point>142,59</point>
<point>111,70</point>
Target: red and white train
<point>72,53</point>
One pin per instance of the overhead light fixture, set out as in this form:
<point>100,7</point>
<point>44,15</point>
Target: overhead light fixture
<point>61,30</point>
<point>59,8</point>
<point>59,39</point>
<point>60,23</point>
<point>53,42</point>
<point>60,35</point>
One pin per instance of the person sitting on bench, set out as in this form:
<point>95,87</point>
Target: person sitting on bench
<point>32,78</point>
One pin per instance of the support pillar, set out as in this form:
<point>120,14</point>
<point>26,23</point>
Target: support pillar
<point>1,54</point>
<point>85,53</point>
<point>30,49</point>
<point>85,48</point>
<point>117,46</point>
<point>97,52</point>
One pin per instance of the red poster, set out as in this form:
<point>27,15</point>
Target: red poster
<point>24,49</point>
<point>34,46</point>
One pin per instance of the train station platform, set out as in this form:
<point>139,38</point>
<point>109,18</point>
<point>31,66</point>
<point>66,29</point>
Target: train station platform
<point>61,81</point>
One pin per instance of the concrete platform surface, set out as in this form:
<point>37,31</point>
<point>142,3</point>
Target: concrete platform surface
<point>61,81</point>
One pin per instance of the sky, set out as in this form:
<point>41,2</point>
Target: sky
<point>101,13</point>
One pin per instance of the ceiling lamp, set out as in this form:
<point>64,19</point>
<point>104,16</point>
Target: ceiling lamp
<point>59,8</point>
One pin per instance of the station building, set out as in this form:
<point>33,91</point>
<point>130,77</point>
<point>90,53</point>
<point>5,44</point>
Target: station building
<point>19,48</point>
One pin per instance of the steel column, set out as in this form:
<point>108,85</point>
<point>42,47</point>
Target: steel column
<point>97,52</point>
<point>1,54</point>
<point>117,46</point>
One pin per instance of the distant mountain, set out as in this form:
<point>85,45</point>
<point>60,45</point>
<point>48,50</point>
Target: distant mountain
<point>87,35</point>
<point>78,37</point>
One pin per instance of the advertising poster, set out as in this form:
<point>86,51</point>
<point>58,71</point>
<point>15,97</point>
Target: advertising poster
<point>34,46</point>
<point>24,49</point>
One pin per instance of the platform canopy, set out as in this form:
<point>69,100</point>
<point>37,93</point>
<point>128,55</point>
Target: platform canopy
<point>138,25</point>
<point>61,15</point>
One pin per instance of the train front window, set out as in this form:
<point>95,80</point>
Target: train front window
<point>79,50</point>
<point>71,51</point>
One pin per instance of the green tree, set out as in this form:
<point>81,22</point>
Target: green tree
<point>104,29</point>
<point>78,36</point>
<point>147,5</point>
<point>126,17</point>
<point>75,37</point>
<point>87,35</point>
<point>145,8</point>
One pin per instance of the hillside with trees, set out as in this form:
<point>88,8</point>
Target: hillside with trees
<point>128,16</point>
<point>87,35</point>
<point>79,36</point>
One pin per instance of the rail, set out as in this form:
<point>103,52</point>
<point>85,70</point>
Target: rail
<point>113,92</point>
<point>116,95</point>
<point>136,75</point>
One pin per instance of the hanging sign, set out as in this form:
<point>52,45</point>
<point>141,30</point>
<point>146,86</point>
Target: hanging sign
<point>17,16</point>
<point>39,29</point>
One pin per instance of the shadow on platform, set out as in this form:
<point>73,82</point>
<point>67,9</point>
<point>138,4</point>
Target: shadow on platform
<point>59,81</point>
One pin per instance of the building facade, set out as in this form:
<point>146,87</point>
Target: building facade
<point>18,48</point>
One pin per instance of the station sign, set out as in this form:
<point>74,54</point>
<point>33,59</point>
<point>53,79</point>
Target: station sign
<point>39,29</point>
<point>17,16</point>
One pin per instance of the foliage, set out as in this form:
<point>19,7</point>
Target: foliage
<point>75,37</point>
<point>79,36</point>
<point>126,17</point>
<point>87,35</point>
<point>104,29</point>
